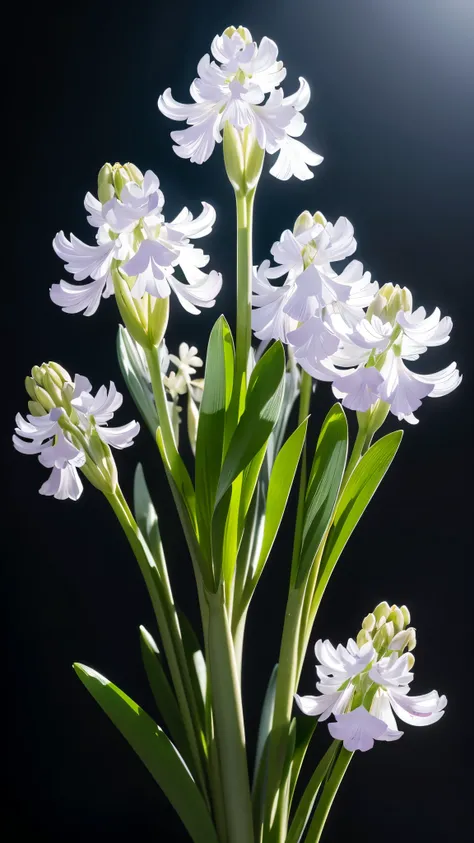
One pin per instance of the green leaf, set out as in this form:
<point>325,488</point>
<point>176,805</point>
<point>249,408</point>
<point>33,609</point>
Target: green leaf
<point>157,752</point>
<point>264,398</point>
<point>196,666</point>
<point>308,799</point>
<point>145,513</point>
<point>355,498</point>
<point>305,727</point>
<point>279,487</point>
<point>132,368</point>
<point>163,693</point>
<point>323,487</point>
<point>261,753</point>
<point>211,428</point>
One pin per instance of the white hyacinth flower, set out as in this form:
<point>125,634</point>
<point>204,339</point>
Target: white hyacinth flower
<point>134,239</point>
<point>364,687</point>
<point>389,334</point>
<point>232,89</point>
<point>62,436</point>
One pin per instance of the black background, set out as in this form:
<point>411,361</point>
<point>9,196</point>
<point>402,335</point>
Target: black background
<point>392,112</point>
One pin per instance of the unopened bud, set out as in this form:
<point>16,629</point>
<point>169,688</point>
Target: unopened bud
<point>37,374</point>
<point>410,661</point>
<point>44,399</point>
<point>158,321</point>
<point>369,622</point>
<point>319,217</point>
<point>382,609</point>
<point>135,174</point>
<point>105,184</point>
<point>396,616</point>
<point>304,222</point>
<point>363,638</point>
<point>412,640</point>
<point>120,179</point>
<point>406,615</point>
<point>52,388</point>
<point>193,420</point>
<point>234,157</point>
<point>36,409</point>
<point>400,640</point>
<point>30,387</point>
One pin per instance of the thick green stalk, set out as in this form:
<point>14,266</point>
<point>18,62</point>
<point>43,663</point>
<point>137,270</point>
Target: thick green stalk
<point>229,723</point>
<point>161,402</point>
<point>287,676</point>
<point>162,599</point>
<point>244,206</point>
<point>328,795</point>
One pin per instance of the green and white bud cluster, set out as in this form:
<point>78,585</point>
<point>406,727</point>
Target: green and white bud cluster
<point>67,429</point>
<point>387,629</point>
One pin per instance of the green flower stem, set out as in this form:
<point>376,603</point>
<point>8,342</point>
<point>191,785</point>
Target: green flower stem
<point>244,206</point>
<point>287,676</point>
<point>309,796</point>
<point>328,795</point>
<point>229,723</point>
<point>159,395</point>
<point>159,589</point>
<point>285,690</point>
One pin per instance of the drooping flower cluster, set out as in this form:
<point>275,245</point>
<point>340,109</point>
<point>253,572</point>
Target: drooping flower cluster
<point>367,682</point>
<point>232,89</point>
<point>135,242</point>
<point>68,429</point>
<point>341,327</point>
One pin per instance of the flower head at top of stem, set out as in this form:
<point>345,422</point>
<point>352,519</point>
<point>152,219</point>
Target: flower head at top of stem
<point>367,682</point>
<point>231,90</point>
<point>67,429</point>
<point>137,255</point>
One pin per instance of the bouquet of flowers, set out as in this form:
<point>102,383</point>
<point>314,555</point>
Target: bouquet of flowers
<point>316,319</point>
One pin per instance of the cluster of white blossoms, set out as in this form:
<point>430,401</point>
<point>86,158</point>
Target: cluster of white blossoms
<point>179,382</point>
<point>367,682</point>
<point>232,89</point>
<point>134,239</point>
<point>68,429</point>
<point>341,327</point>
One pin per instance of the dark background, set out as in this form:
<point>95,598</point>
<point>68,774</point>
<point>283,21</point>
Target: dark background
<point>392,112</point>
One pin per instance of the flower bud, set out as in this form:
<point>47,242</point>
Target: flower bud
<point>319,217</point>
<point>410,661</point>
<point>105,184</point>
<point>44,399</point>
<point>406,614</point>
<point>128,310</point>
<point>412,640</point>
<point>396,616</point>
<point>158,320</point>
<point>52,388</point>
<point>382,609</point>
<point>134,173</point>
<point>30,387</point>
<point>253,160</point>
<point>363,638</point>
<point>193,420</point>
<point>234,157</point>
<point>369,622</point>
<point>37,374</point>
<point>304,222</point>
<point>36,409</point>
<point>400,640</point>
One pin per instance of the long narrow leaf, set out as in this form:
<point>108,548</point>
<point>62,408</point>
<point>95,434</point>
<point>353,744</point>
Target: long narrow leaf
<point>156,751</point>
<point>162,691</point>
<point>145,512</point>
<point>305,727</point>
<point>279,487</point>
<point>355,498</point>
<point>212,420</point>
<point>308,799</point>
<point>324,483</point>
<point>261,412</point>
<point>133,368</point>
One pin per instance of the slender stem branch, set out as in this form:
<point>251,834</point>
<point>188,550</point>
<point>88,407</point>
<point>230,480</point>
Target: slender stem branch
<point>159,394</point>
<point>244,204</point>
<point>328,795</point>
<point>229,723</point>
<point>287,665</point>
<point>161,596</point>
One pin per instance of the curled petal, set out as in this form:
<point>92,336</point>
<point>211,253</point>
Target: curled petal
<point>74,298</point>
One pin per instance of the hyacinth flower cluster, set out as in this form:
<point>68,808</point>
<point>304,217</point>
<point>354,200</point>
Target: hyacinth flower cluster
<point>342,327</point>
<point>365,684</point>
<point>319,316</point>
<point>67,428</point>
